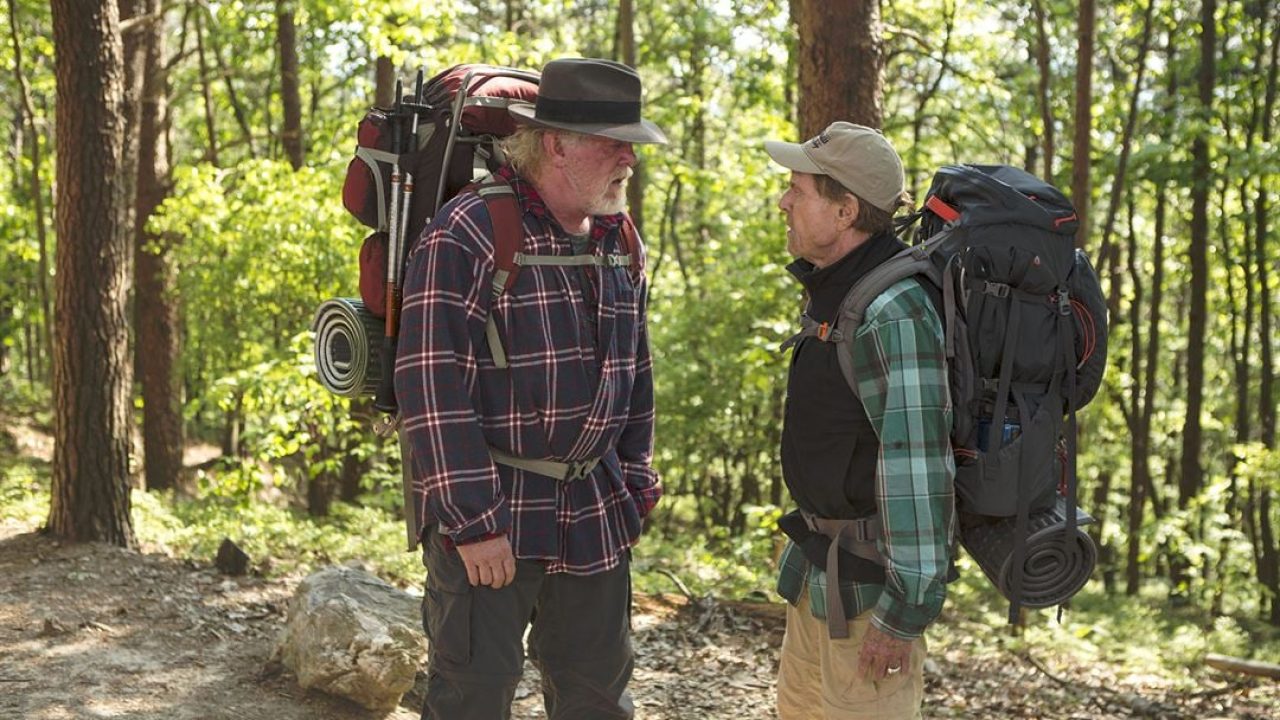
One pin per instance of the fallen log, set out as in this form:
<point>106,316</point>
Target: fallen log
<point>1240,665</point>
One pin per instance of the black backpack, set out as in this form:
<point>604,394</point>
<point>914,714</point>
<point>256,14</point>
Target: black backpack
<point>1025,326</point>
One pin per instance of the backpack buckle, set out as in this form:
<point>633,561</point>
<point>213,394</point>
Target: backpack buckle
<point>1064,301</point>
<point>824,330</point>
<point>581,468</point>
<point>1000,290</point>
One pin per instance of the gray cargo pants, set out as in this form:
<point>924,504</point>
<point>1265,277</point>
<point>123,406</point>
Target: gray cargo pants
<point>580,640</point>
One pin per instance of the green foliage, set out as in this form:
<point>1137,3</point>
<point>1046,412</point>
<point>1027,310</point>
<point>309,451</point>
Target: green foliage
<point>715,563</point>
<point>295,433</point>
<point>279,540</point>
<point>260,246</point>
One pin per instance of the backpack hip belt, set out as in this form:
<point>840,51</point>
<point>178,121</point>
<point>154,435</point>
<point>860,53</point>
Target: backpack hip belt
<point>857,536</point>
<point>564,471</point>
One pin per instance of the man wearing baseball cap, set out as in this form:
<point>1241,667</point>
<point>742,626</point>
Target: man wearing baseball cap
<point>871,472</point>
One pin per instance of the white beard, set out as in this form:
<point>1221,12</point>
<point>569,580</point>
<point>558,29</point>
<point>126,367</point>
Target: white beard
<point>603,202</point>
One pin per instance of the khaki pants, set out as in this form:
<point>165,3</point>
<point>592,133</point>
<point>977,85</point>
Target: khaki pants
<point>819,679</point>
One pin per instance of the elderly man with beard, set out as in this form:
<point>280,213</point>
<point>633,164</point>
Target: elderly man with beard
<point>532,475</point>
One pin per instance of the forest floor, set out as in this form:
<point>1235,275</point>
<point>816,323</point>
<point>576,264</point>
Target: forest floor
<point>95,631</point>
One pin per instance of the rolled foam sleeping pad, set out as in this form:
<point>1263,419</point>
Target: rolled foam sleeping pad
<point>1054,570</point>
<point>348,347</point>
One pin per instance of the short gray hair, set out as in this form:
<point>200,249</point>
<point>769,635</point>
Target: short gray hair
<point>870,218</point>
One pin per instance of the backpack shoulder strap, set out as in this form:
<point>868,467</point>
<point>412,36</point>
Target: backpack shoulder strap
<point>508,230</point>
<point>910,262</point>
<point>915,260</point>
<point>631,245</point>
<point>508,236</point>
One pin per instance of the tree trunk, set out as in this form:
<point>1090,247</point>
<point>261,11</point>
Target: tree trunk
<point>1268,553</point>
<point>841,63</point>
<point>1191,477</point>
<point>1141,484</point>
<point>1126,144</point>
<point>915,173</point>
<point>1084,122</point>
<point>237,107</point>
<point>290,94</point>
<point>206,93</point>
<point>156,311</point>
<point>37,195</point>
<point>625,52</point>
<point>92,375</point>
<point>1046,110</point>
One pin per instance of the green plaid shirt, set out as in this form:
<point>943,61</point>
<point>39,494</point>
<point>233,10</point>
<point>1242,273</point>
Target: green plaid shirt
<point>902,381</point>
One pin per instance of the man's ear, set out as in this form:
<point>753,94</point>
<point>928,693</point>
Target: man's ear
<point>847,212</point>
<point>553,146</point>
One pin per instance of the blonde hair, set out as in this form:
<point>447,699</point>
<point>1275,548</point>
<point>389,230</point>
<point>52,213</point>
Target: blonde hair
<point>524,151</point>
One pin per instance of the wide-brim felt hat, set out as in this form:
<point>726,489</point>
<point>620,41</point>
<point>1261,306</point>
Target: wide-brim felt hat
<point>592,97</point>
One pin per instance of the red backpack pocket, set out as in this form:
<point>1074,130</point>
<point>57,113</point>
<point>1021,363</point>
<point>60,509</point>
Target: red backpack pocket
<point>368,179</point>
<point>373,274</point>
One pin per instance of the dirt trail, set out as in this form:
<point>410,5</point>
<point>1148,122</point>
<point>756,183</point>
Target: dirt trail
<point>94,631</point>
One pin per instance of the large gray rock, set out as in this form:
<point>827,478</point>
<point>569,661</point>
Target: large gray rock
<point>351,634</point>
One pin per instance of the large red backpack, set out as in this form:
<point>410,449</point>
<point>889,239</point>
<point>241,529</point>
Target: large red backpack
<point>410,160</point>
<point>448,135</point>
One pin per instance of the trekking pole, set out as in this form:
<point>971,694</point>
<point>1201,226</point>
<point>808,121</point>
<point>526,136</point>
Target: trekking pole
<point>406,190</point>
<point>384,400</point>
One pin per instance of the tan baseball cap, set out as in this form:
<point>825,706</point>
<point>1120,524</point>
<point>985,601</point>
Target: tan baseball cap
<point>856,156</point>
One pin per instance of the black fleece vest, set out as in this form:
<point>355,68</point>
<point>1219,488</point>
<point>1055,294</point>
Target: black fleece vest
<point>829,448</point>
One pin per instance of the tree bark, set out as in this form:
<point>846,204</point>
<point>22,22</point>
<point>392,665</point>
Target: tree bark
<point>841,63</point>
<point>1081,149</point>
<point>156,312</point>
<point>290,93</point>
<point>92,375</point>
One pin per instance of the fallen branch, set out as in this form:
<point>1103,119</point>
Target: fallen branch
<point>1242,666</point>
<point>1136,704</point>
<point>684,589</point>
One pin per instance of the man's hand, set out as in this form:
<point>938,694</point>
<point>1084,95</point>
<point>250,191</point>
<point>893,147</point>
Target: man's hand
<point>883,655</point>
<point>489,562</point>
